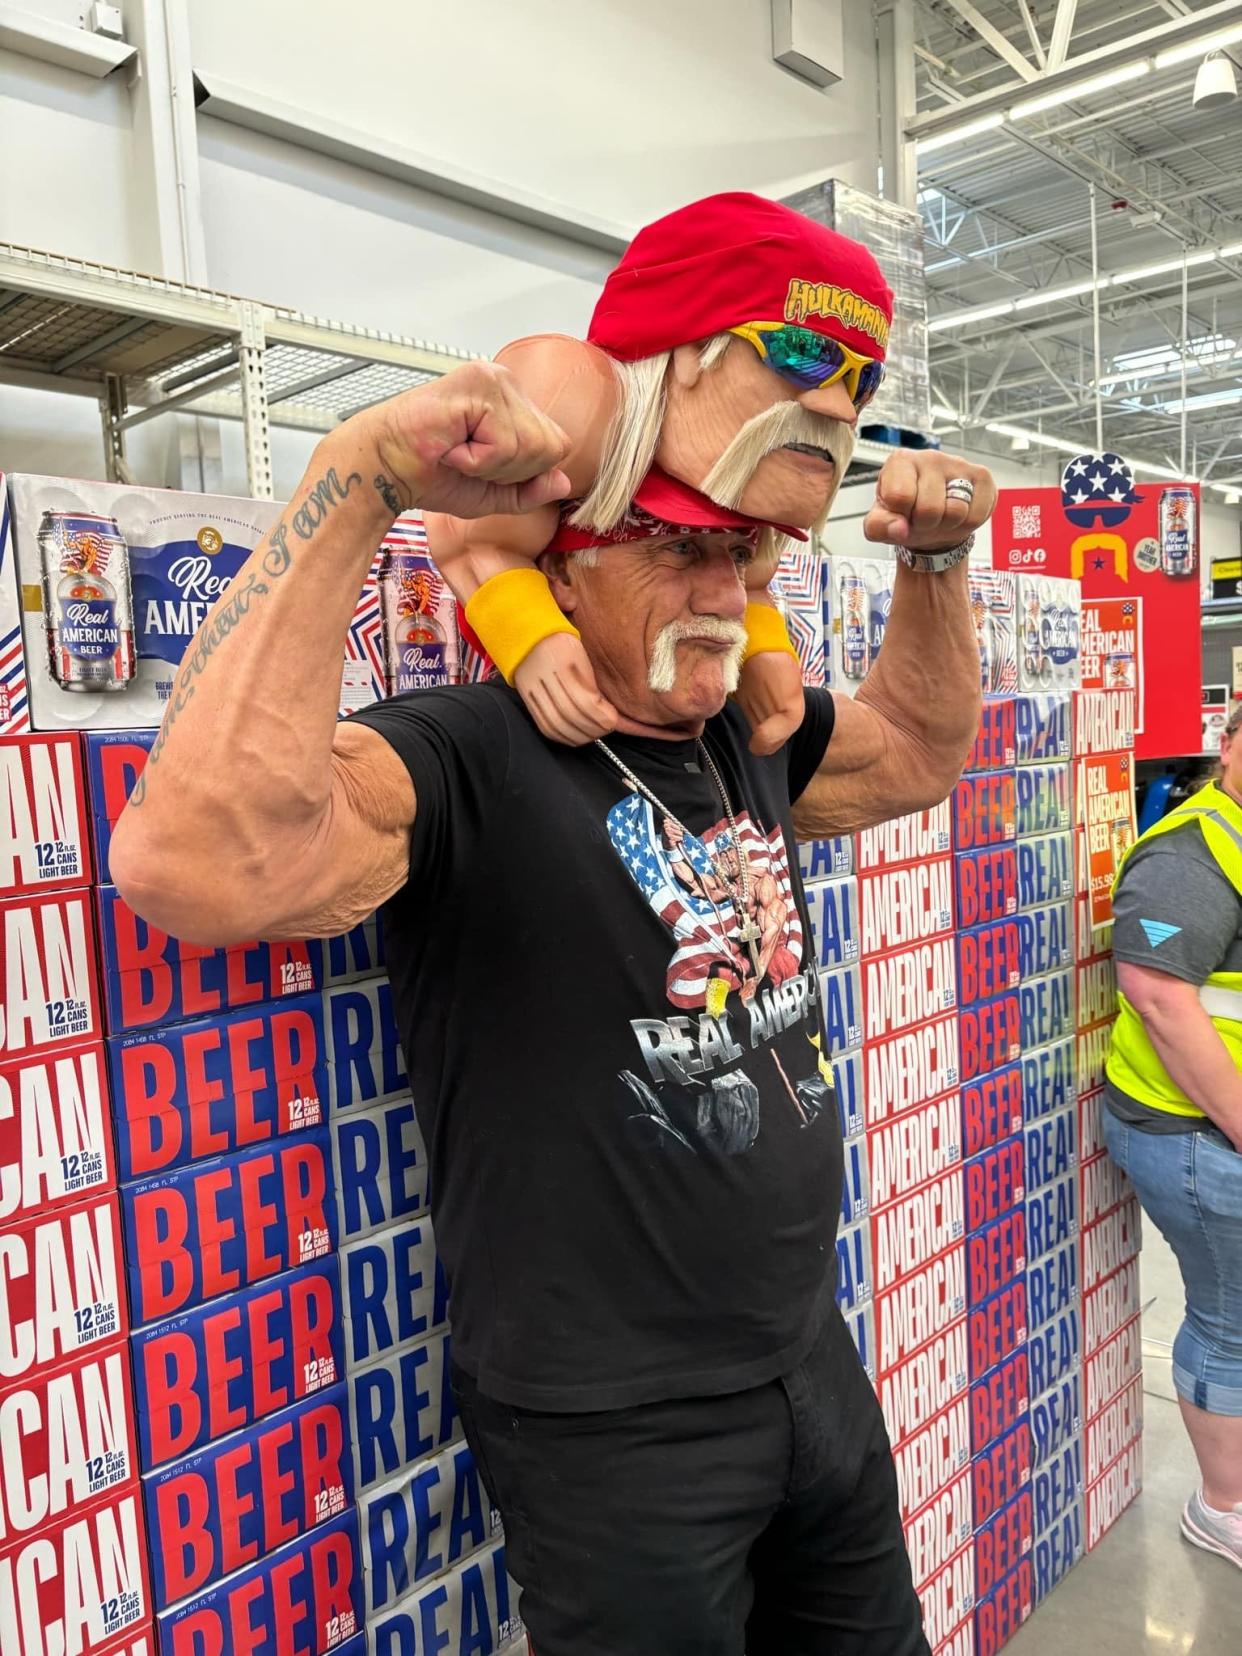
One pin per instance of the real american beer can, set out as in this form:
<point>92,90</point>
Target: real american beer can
<point>88,604</point>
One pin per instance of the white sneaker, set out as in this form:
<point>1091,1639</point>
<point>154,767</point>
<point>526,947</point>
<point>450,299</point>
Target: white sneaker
<point>1217,1532</point>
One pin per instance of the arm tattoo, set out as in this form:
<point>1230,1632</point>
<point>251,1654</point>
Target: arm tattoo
<point>233,606</point>
<point>386,492</point>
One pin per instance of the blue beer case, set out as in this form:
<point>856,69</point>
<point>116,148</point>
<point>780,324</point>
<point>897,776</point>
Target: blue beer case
<point>848,1074</point>
<point>841,998</point>
<point>1045,938</point>
<point>1045,870</point>
<point>855,1277</point>
<point>1044,799</point>
<point>1043,727</point>
<point>826,859</point>
<point>835,933</point>
<point>1047,1008</point>
<point>1056,1418</point>
<point>1049,1079</point>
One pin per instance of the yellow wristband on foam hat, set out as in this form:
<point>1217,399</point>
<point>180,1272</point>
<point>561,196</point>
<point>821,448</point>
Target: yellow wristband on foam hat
<point>766,631</point>
<point>511,613</point>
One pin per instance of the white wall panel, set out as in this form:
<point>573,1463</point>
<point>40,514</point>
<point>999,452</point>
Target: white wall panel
<point>619,110</point>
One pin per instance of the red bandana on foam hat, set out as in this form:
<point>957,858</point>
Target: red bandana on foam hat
<point>738,258</point>
<point>662,506</point>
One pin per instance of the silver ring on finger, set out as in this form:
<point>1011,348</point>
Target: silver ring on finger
<point>960,488</point>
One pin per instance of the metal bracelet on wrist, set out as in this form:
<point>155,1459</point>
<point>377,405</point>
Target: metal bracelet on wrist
<point>935,563</point>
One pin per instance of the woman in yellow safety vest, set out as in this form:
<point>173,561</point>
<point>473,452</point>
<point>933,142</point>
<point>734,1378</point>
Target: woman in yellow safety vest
<point>1174,1115</point>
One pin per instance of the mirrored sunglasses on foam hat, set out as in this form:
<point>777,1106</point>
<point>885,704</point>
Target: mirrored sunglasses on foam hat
<point>813,360</point>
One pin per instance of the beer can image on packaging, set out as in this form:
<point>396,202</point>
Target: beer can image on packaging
<point>88,605</point>
<point>420,645</point>
<point>1179,541</point>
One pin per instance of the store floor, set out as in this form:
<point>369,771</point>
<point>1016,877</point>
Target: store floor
<point>1145,1590</point>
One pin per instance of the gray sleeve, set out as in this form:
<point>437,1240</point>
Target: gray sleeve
<point>1175,911</point>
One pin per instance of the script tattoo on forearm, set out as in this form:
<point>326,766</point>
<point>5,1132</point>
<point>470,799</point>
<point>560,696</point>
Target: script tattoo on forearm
<point>327,493</point>
<point>386,492</point>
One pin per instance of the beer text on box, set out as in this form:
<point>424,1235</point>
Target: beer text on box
<point>995,1256</point>
<point>984,810</point>
<point>988,1034</point>
<point>219,1225</point>
<point>1000,1613</point>
<point>242,1498</point>
<point>991,1108</point>
<point>987,961</point>
<point>996,743</point>
<point>1001,1471</point>
<point>308,1594</point>
<point>985,885</point>
<point>151,978</point>
<point>226,1364</point>
<point>999,1399</point>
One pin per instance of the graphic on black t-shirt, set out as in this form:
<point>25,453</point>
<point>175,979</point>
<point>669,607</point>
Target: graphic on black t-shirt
<point>691,881</point>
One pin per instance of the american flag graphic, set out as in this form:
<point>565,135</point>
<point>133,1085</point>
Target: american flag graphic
<point>800,585</point>
<point>706,944</point>
<point>14,706</point>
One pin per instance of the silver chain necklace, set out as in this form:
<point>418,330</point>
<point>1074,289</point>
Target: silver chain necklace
<point>748,932</point>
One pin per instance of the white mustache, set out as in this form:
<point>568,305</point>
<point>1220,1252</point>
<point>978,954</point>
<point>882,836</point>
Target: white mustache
<point>771,429</point>
<point>662,668</point>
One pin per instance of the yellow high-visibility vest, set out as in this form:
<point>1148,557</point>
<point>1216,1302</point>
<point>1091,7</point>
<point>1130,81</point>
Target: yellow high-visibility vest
<point>1133,1063</point>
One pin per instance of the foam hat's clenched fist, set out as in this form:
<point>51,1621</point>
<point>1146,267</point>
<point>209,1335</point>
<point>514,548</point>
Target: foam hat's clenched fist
<point>916,506</point>
<point>470,444</point>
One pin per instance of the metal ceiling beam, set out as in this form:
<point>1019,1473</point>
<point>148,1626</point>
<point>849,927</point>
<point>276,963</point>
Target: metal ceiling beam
<point>1037,45</point>
<point>991,36</point>
<point>1160,37</point>
<point>1062,29</point>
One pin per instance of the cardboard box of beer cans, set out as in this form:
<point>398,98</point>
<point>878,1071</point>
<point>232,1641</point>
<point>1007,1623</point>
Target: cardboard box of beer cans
<point>104,585</point>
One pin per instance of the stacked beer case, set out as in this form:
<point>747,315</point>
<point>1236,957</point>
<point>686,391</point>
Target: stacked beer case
<point>1054,1297</point>
<point>225,1352</point>
<point>1112,1385</point>
<point>73,1557</point>
<point>1001,1261</point>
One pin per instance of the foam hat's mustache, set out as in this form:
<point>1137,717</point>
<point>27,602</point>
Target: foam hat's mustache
<point>662,668</point>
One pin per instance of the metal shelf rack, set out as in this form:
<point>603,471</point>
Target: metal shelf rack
<point>142,346</point>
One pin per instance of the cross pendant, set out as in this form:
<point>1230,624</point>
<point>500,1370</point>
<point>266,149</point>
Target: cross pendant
<point>749,934</point>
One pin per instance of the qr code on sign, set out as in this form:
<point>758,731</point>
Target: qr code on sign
<point>1026,523</point>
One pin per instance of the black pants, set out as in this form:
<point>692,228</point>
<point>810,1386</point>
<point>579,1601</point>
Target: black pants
<point>763,1522</point>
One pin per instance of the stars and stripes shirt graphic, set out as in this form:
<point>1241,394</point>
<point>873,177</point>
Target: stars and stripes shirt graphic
<point>705,935</point>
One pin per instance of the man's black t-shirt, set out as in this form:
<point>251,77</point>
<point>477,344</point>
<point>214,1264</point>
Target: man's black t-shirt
<point>633,1198</point>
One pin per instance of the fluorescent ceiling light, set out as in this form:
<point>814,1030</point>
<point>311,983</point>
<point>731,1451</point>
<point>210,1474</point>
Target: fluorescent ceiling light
<point>961,319</point>
<point>970,129</point>
<point>1080,89</point>
<point>1161,471</point>
<point>1060,443</point>
<point>1142,273</point>
<point>1204,399</point>
<point>1230,252</point>
<point>1051,295</point>
<point>1232,497</point>
<point>1198,48</point>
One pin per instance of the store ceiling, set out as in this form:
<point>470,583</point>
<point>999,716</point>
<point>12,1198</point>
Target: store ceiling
<point>1008,216</point>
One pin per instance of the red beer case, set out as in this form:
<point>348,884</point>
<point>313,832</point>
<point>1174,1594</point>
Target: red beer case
<point>77,1586</point>
<point>44,836</point>
<point>49,974</point>
<point>62,1285</point>
<point>910,904</point>
<point>55,1133</point>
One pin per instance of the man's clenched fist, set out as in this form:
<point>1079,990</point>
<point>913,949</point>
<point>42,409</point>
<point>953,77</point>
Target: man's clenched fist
<point>911,507</point>
<point>469,444</point>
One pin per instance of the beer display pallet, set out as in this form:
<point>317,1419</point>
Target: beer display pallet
<point>990,1282</point>
<point>253,1423</point>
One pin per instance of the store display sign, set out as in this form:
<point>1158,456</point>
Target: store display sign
<point>1106,825</point>
<point>1136,552</point>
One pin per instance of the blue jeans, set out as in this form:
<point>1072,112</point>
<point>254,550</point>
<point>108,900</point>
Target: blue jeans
<point>1190,1185</point>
